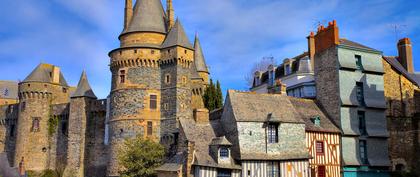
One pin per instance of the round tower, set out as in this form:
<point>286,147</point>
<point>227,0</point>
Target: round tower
<point>135,89</point>
<point>44,87</point>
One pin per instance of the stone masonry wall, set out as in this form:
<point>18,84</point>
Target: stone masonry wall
<point>403,119</point>
<point>327,83</point>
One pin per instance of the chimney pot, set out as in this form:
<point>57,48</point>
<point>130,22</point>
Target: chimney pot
<point>405,54</point>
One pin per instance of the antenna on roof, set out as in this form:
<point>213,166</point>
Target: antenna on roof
<point>398,29</point>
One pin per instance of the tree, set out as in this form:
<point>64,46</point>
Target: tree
<point>261,65</point>
<point>139,157</point>
<point>213,96</point>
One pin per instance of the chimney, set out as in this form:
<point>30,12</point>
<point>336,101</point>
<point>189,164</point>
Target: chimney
<point>278,88</point>
<point>170,13</point>
<point>128,13</point>
<point>327,37</point>
<point>311,48</point>
<point>55,75</point>
<point>405,54</point>
<point>201,116</point>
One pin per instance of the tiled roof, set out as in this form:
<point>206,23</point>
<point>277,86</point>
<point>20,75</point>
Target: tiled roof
<point>148,16</point>
<point>252,107</point>
<point>308,109</point>
<point>42,74</point>
<point>349,43</point>
<point>177,37</point>
<point>413,77</point>
<point>83,88</point>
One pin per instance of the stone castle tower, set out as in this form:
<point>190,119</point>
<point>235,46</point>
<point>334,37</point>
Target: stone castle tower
<point>158,76</point>
<point>44,87</point>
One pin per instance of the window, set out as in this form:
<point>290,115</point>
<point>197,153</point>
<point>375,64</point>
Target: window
<point>362,122</point>
<point>223,173</point>
<point>224,152</point>
<point>271,77</point>
<point>167,79</point>
<point>184,80</point>
<point>149,128</point>
<point>185,51</point>
<point>166,106</point>
<point>272,133</point>
<point>153,51</point>
<point>321,171</point>
<point>287,70</point>
<point>35,124</point>
<point>122,76</point>
<point>358,59</point>
<point>6,92</point>
<point>363,153</point>
<point>23,106</point>
<point>12,130</point>
<point>135,51</point>
<point>153,102</point>
<point>320,148</point>
<point>273,169</point>
<point>359,93</point>
<point>64,90</point>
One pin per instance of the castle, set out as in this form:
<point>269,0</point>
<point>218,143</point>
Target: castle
<point>158,77</point>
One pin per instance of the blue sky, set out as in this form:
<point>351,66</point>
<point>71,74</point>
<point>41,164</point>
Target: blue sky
<point>78,34</point>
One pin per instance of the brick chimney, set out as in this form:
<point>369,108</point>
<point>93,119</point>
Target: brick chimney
<point>327,37</point>
<point>201,116</point>
<point>405,54</point>
<point>311,48</point>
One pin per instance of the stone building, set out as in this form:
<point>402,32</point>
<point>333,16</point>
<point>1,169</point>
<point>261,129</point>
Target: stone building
<point>296,73</point>
<point>52,124</point>
<point>350,87</point>
<point>402,94</point>
<point>8,92</point>
<point>158,77</point>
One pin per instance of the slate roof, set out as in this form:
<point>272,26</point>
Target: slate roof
<point>148,16</point>
<point>220,141</point>
<point>308,109</point>
<point>299,64</point>
<point>349,43</point>
<point>83,88</point>
<point>252,107</point>
<point>199,59</point>
<point>177,37</point>
<point>174,167</point>
<point>393,61</point>
<point>202,135</point>
<point>42,74</point>
<point>8,89</point>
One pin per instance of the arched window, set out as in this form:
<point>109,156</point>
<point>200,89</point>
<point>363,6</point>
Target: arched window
<point>35,124</point>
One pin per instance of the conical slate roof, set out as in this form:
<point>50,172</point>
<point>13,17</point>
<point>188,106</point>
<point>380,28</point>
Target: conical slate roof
<point>83,88</point>
<point>42,74</point>
<point>177,37</point>
<point>148,16</point>
<point>199,60</point>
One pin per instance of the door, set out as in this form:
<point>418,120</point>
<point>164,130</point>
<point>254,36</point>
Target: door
<point>321,171</point>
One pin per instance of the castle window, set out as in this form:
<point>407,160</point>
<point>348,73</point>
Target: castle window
<point>166,106</point>
<point>358,59</point>
<point>120,52</point>
<point>122,76</point>
<point>29,85</point>
<point>23,106</point>
<point>319,148</point>
<point>153,101</point>
<point>12,130</point>
<point>184,80</point>
<point>362,122</point>
<point>185,51</point>
<point>135,50</point>
<point>149,128</point>
<point>168,79</point>
<point>272,133</point>
<point>224,152</point>
<point>362,151</point>
<point>359,93</point>
<point>64,90</point>
<point>273,169</point>
<point>287,70</point>
<point>153,51</point>
<point>35,124</point>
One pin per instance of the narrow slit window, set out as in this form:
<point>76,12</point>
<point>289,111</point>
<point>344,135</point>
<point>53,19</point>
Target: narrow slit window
<point>122,76</point>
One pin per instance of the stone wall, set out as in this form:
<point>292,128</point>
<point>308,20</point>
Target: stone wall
<point>8,127</point>
<point>327,83</point>
<point>402,97</point>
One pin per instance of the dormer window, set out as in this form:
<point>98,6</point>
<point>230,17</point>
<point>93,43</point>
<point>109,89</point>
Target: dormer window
<point>317,121</point>
<point>271,75</point>
<point>224,152</point>
<point>287,70</point>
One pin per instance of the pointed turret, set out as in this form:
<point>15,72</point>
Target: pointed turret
<point>177,37</point>
<point>170,13</point>
<point>149,16</point>
<point>199,60</point>
<point>83,88</point>
<point>128,13</point>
